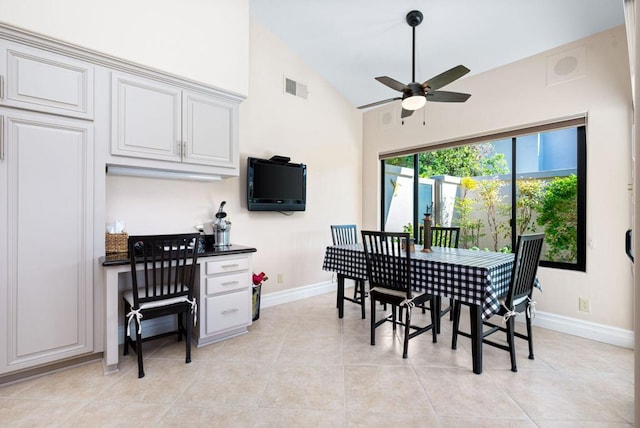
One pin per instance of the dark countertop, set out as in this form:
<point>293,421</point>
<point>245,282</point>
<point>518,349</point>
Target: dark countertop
<point>123,258</point>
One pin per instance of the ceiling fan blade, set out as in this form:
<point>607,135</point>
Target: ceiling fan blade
<point>447,97</point>
<point>406,113</point>
<point>392,83</point>
<point>445,78</point>
<point>377,103</point>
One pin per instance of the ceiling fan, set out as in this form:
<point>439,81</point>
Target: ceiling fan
<point>414,94</point>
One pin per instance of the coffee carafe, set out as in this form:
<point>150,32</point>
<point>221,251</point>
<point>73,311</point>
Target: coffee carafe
<point>221,227</point>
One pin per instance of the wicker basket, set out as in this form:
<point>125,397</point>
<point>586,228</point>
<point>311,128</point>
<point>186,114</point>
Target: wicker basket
<point>115,242</point>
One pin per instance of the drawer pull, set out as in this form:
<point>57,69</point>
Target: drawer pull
<point>229,311</point>
<point>230,266</point>
<point>230,283</point>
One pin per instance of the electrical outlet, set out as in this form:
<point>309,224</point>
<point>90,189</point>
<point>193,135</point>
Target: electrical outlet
<point>280,278</point>
<point>584,304</point>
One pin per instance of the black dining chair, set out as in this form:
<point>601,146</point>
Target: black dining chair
<point>163,286</point>
<point>444,237</point>
<point>348,234</point>
<point>517,300</point>
<point>390,282</point>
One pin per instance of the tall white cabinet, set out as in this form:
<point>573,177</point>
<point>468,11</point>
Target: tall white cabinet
<point>46,214</point>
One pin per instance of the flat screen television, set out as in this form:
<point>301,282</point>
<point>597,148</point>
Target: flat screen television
<point>276,185</point>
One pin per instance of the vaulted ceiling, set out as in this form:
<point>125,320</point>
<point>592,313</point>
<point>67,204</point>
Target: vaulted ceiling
<point>350,42</point>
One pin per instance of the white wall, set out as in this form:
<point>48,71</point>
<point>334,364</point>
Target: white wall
<point>518,94</point>
<point>324,132</point>
<point>204,40</point>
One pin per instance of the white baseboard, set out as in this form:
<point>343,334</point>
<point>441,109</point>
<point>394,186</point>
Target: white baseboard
<point>588,330</point>
<point>298,293</point>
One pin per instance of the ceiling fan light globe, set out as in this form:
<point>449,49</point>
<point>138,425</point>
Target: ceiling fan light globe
<point>414,102</point>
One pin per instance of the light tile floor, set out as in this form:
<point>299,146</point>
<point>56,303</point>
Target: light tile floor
<point>301,366</point>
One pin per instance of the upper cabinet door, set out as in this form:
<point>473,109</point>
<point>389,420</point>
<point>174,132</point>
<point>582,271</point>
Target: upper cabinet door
<point>145,118</point>
<point>34,79</point>
<point>209,130</point>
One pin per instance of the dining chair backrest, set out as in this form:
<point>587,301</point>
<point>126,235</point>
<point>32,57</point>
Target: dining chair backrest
<point>166,266</point>
<point>344,234</point>
<point>525,268</point>
<point>445,236</point>
<point>388,266</point>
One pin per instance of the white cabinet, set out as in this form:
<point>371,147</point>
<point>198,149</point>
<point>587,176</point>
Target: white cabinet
<point>46,256</point>
<point>145,119</point>
<point>224,297</point>
<point>208,130</point>
<point>154,120</point>
<point>35,79</point>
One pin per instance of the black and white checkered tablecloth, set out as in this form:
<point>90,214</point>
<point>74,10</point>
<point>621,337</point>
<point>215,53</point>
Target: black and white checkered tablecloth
<point>476,277</point>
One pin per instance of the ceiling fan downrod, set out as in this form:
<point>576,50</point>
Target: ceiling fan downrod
<point>414,18</point>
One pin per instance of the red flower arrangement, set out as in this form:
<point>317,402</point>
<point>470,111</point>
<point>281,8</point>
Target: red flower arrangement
<point>257,279</point>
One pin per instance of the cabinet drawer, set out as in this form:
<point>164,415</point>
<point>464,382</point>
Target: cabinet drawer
<point>227,265</point>
<point>224,283</point>
<point>227,311</point>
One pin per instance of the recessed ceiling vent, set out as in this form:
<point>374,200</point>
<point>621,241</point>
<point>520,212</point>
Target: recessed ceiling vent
<point>295,88</point>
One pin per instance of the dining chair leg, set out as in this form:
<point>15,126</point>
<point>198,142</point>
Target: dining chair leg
<point>407,331</point>
<point>530,336</point>
<point>393,315</point>
<point>436,305</point>
<point>373,321</point>
<point>451,301</point>
<point>456,324</point>
<point>139,354</point>
<point>360,285</point>
<point>435,322</point>
<point>511,344</point>
<point>189,320</point>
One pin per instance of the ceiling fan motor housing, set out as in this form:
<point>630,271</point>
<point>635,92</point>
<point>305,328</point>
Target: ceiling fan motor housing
<point>413,89</point>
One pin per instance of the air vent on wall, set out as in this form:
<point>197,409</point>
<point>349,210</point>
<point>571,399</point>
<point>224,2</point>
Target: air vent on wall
<point>295,88</point>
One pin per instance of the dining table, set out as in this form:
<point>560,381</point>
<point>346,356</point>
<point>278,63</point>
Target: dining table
<point>476,278</point>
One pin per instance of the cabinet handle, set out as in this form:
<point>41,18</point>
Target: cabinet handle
<point>230,311</point>
<point>229,266</point>
<point>1,137</point>
<point>230,283</point>
<point>1,87</point>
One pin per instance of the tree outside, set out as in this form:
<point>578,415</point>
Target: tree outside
<point>559,217</point>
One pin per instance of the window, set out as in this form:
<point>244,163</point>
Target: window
<point>495,189</point>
